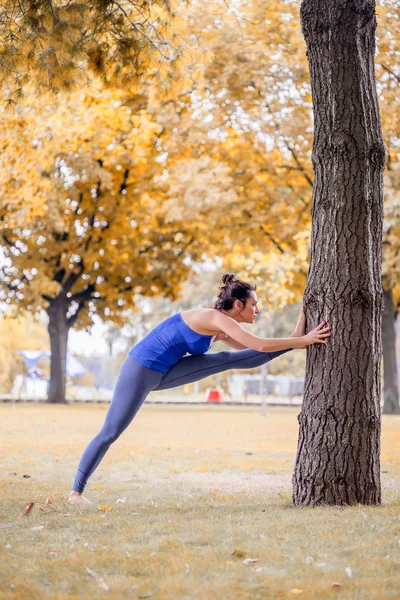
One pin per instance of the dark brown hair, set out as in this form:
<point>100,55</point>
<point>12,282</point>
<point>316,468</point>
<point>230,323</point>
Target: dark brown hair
<point>232,289</point>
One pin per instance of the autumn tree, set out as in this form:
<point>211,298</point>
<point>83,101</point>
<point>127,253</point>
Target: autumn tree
<point>339,439</point>
<point>18,333</point>
<point>57,45</point>
<point>100,229</point>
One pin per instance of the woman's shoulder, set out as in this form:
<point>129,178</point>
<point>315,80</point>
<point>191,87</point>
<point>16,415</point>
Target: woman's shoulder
<point>201,320</point>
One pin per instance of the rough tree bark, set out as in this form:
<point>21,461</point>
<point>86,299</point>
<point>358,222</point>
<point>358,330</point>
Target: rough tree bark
<point>339,437</point>
<point>390,384</point>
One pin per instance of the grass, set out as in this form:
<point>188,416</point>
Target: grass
<point>190,503</point>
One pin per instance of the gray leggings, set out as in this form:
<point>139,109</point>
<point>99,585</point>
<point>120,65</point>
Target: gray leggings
<point>135,382</point>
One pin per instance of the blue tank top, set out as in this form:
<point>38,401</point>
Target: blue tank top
<point>167,343</point>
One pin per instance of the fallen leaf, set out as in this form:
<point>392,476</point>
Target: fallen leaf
<point>247,561</point>
<point>102,508</point>
<point>216,489</point>
<point>103,585</point>
<point>239,553</point>
<point>48,501</point>
<point>37,528</point>
<point>28,508</point>
<point>91,572</point>
<point>336,584</point>
<point>74,557</point>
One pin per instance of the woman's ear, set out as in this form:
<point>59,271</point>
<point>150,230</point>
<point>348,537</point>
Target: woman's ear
<point>239,304</point>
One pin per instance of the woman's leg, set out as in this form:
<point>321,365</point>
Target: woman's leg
<point>194,368</point>
<point>134,383</point>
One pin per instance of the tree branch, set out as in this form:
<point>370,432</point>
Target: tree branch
<point>390,72</point>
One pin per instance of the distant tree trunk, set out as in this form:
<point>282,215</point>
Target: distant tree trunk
<point>339,437</point>
<point>58,330</point>
<point>390,383</point>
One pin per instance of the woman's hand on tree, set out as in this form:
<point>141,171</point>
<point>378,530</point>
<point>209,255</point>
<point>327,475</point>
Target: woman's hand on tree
<point>319,335</point>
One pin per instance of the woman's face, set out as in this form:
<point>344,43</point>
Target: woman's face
<point>250,311</point>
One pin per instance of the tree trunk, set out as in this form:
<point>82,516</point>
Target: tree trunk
<point>339,438</point>
<point>58,330</point>
<point>390,386</point>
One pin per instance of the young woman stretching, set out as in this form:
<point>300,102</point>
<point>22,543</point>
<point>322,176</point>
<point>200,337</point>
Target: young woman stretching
<point>158,362</point>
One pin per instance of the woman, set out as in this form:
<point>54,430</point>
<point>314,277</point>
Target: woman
<point>158,362</point>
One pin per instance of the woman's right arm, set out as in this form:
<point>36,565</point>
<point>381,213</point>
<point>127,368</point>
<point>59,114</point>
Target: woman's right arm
<point>231,328</point>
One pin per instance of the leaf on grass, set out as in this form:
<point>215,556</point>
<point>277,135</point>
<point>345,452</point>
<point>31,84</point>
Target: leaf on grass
<point>336,584</point>
<point>216,489</point>
<point>91,572</point>
<point>104,585</point>
<point>248,561</point>
<point>37,528</point>
<point>102,508</point>
<point>239,553</point>
<point>74,556</point>
<point>28,508</point>
<point>48,501</point>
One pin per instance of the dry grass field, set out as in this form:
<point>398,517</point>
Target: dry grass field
<point>191,503</point>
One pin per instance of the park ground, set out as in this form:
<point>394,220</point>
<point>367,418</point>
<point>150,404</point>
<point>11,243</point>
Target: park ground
<point>190,503</point>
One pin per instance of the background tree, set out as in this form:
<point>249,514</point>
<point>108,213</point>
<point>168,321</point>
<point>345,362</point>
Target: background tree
<point>339,438</point>
<point>100,229</point>
<point>21,333</point>
<point>56,46</point>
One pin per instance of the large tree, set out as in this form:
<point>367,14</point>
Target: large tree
<point>85,219</point>
<point>339,439</point>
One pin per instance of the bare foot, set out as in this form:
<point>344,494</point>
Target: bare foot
<point>300,328</point>
<point>77,498</point>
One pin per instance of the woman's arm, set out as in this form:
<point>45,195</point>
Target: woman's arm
<point>234,331</point>
<point>233,343</point>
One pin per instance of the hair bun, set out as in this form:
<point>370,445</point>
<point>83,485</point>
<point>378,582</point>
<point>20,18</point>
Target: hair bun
<point>228,278</point>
